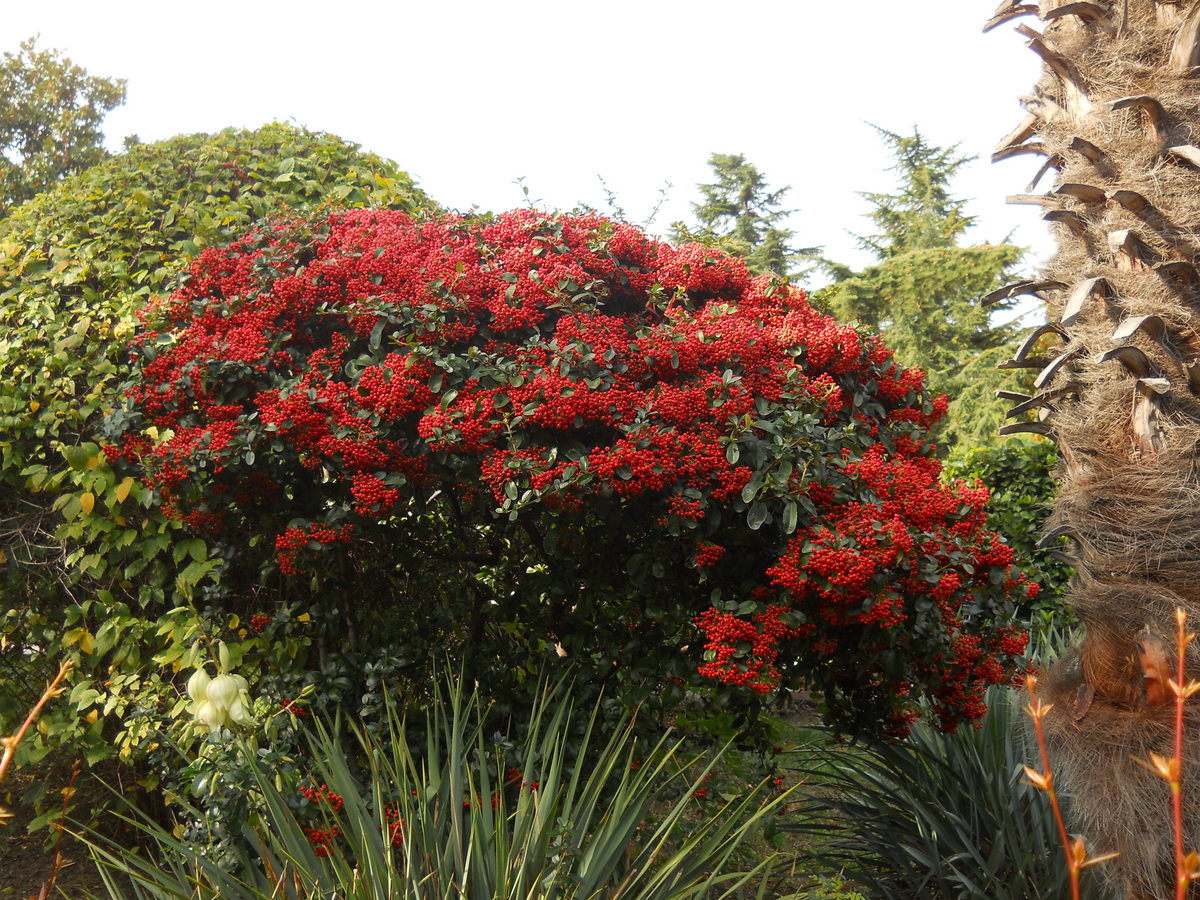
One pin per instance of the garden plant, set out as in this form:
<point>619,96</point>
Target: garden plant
<point>448,810</point>
<point>90,569</point>
<point>533,436</point>
<point>283,440</point>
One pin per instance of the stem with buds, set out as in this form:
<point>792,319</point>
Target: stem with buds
<point>1073,849</point>
<point>1187,864</point>
<point>58,861</point>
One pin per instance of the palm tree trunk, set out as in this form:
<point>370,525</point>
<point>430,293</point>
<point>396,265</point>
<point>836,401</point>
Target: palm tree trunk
<point>1116,118</point>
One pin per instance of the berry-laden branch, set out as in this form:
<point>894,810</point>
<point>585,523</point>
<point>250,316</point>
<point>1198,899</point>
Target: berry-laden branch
<point>681,444</point>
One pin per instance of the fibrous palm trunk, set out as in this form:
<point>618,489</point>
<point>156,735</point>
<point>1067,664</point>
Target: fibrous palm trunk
<point>1116,118</point>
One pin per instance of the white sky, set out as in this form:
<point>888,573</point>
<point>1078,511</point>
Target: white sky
<point>468,96</point>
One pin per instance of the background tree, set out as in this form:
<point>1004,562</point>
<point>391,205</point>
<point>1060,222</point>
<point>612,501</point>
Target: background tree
<point>1020,498</point>
<point>1115,115</point>
<point>923,292</point>
<point>740,213</point>
<point>50,116</point>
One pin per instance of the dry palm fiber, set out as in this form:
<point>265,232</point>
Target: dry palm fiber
<point>1116,119</point>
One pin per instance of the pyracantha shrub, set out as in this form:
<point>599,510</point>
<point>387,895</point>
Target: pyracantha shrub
<point>526,436</point>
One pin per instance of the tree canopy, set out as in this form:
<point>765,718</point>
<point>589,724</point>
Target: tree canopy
<point>923,291</point>
<point>77,265</point>
<point>50,116</point>
<point>740,213</point>
<point>77,262</point>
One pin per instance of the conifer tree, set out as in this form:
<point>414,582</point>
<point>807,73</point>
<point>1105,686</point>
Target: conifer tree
<point>741,213</point>
<point>924,289</point>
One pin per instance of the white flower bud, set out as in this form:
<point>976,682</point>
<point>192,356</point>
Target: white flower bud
<point>239,711</point>
<point>222,691</point>
<point>198,684</point>
<point>208,715</point>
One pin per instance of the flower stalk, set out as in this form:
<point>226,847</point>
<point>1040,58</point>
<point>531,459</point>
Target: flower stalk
<point>1187,863</point>
<point>1074,849</point>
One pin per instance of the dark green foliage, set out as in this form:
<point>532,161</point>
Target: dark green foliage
<point>923,291</point>
<point>1018,474</point>
<point>740,213</point>
<point>937,816</point>
<point>88,563</point>
<point>50,115</point>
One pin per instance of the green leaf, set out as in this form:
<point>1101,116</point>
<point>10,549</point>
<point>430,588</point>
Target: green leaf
<point>750,491</point>
<point>791,514</point>
<point>78,457</point>
<point>757,516</point>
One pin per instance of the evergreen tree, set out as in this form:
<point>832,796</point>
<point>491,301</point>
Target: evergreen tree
<point>924,289</point>
<point>740,213</point>
<point>50,115</point>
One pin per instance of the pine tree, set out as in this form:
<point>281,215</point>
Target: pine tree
<point>1116,116</point>
<point>740,213</point>
<point>924,290</point>
<point>50,115</point>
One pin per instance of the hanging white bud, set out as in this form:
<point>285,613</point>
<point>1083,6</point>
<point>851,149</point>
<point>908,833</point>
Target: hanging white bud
<point>223,690</point>
<point>239,711</point>
<point>209,716</point>
<point>197,685</point>
<point>220,702</point>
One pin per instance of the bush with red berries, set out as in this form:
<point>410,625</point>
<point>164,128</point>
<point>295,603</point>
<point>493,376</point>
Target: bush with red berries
<point>525,438</point>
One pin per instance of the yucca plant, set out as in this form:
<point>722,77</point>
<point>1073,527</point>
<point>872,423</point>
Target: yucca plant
<point>936,816</point>
<point>597,816</point>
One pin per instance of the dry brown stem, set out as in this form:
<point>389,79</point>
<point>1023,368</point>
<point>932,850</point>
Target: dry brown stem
<point>1074,850</point>
<point>59,860</point>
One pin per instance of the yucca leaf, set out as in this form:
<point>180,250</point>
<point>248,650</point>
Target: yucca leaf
<point>937,815</point>
<point>585,832</point>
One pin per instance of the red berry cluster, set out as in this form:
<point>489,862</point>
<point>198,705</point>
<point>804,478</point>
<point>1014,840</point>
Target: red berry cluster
<point>292,541</point>
<point>906,559</point>
<point>293,706</point>
<point>394,824</point>
<point>322,839</point>
<point>744,652</point>
<point>708,555</point>
<point>323,795</point>
<point>339,378</point>
<point>516,777</point>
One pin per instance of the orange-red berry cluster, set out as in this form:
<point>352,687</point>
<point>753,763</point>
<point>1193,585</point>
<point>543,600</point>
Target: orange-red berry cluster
<point>343,376</point>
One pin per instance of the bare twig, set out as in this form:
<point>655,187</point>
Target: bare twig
<point>58,860</point>
<point>1187,864</point>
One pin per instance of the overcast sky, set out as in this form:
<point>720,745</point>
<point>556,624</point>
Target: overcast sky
<point>469,96</point>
